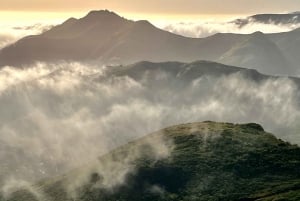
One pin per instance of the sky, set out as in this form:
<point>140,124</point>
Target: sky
<point>191,18</point>
<point>57,9</point>
<point>155,6</point>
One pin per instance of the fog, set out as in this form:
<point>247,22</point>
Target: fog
<point>56,117</point>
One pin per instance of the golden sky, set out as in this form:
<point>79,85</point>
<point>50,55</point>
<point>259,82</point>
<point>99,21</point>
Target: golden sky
<point>61,9</point>
<point>154,6</point>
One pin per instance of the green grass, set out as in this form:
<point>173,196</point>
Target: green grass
<point>208,161</point>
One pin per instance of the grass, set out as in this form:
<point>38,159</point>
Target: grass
<point>208,161</point>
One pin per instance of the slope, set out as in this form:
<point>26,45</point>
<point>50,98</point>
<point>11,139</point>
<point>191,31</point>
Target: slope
<point>258,52</point>
<point>289,44</point>
<point>100,35</point>
<point>206,161</point>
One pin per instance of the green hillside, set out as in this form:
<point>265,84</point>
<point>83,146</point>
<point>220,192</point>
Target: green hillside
<point>199,161</point>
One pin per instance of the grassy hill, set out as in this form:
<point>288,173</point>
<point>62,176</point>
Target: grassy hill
<point>199,161</point>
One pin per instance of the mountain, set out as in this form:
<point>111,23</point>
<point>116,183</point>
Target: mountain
<point>153,95</point>
<point>106,38</point>
<point>288,18</point>
<point>186,72</point>
<point>182,72</point>
<point>289,44</point>
<point>258,52</point>
<point>205,161</point>
<point>101,35</point>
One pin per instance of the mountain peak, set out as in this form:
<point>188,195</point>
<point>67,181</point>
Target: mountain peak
<point>70,21</point>
<point>96,14</point>
<point>258,37</point>
<point>258,34</point>
<point>102,17</point>
<point>144,22</point>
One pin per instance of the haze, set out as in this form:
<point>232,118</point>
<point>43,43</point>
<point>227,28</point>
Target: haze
<point>156,6</point>
<point>149,8</point>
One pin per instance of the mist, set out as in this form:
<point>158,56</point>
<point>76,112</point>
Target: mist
<point>56,117</point>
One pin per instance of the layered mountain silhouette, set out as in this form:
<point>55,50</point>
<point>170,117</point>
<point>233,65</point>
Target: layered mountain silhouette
<point>206,161</point>
<point>187,72</point>
<point>170,84</point>
<point>288,18</point>
<point>183,73</point>
<point>105,37</point>
<point>258,52</point>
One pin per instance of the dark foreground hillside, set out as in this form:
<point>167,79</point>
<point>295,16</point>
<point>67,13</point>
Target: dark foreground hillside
<point>206,161</point>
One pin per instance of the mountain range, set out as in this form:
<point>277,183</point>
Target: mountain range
<point>205,161</point>
<point>186,73</point>
<point>106,38</point>
<point>170,75</point>
<point>174,92</point>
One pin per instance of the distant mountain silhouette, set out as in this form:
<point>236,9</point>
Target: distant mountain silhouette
<point>287,18</point>
<point>183,72</point>
<point>106,38</point>
<point>296,12</point>
<point>259,52</point>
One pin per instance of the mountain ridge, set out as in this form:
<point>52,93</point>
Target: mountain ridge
<point>270,18</point>
<point>253,51</point>
<point>107,38</point>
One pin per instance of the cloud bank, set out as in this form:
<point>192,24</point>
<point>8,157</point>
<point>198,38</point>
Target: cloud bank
<point>55,117</point>
<point>196,29</point>
<point>200,29</point>
<point>11,33</point>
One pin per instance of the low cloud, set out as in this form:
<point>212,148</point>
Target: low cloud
<point>196,29</point>
<point>200,29</point>
<point>55,117</point>
<point>11,33</point>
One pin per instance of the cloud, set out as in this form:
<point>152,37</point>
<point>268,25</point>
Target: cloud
<point>197,29</point>
<point>6,39</point>
<point>11,33</point>
<point>55,117</point>
<point>13,185</point>
<point>200,29</point>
